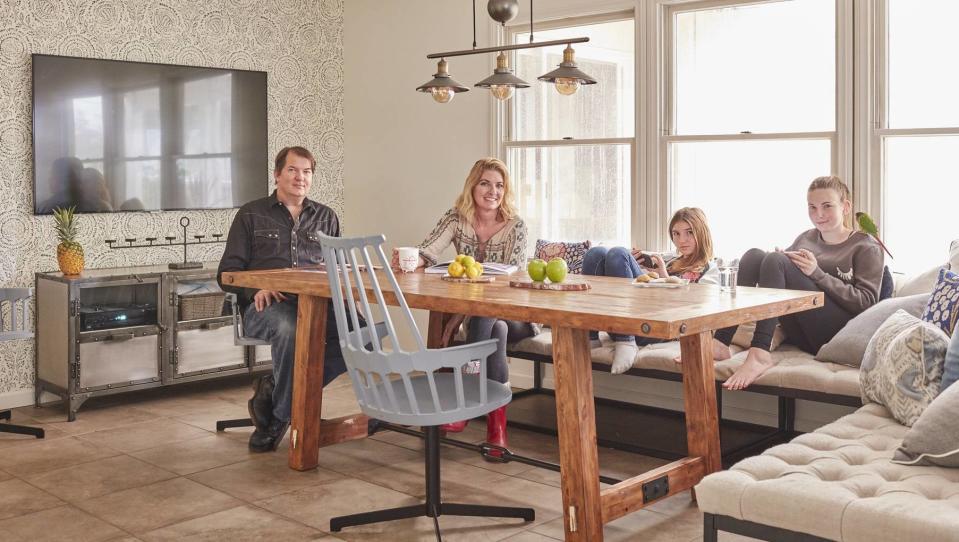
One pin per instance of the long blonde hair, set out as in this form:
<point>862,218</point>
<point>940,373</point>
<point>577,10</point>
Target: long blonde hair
<point>464,202</point>
<point>696,218</point>
<point>832,182</point>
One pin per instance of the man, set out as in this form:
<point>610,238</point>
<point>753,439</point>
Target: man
<point>279,231</point>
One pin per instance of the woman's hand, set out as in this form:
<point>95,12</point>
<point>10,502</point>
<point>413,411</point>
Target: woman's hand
<point>449,330</point>
<point>660,265</point>
<point>637,254</point>
<point>395,260</point>
<point>804,260</point>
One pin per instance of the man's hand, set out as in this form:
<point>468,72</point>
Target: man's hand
<point>265,298</point>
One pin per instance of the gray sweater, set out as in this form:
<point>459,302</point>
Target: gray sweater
<point>850,272</point>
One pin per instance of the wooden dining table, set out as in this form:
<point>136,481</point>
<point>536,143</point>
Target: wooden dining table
<point>689,313</point>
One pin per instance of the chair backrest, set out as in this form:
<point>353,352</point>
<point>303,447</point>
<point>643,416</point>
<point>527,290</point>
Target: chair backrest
<point>239,339</point>
<point>14,320</point>
<point>351,272</point>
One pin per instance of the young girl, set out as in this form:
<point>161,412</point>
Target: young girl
<point>832,258</point>
<point>690,235</point>
<point>483,223</point>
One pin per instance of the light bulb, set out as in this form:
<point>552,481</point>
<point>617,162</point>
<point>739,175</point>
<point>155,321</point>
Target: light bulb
<point>501,92</point>
<point>566,85</point>
<point>442,94</point>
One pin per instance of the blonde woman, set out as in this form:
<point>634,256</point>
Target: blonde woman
<point>483,223</point>
<point>832,258</point>
<point>689,232</point>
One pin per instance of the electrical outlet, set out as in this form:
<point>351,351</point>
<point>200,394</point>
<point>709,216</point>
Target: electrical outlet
<point>655,489</point>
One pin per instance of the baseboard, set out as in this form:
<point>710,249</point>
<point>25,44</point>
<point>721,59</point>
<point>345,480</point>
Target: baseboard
<point>21,398</point>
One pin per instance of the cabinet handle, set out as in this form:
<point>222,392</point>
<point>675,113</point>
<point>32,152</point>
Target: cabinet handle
<point>119,337</point>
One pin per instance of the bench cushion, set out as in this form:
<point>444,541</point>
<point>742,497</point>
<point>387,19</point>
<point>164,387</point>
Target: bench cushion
<point>839,483</point>
<point>795,369</point>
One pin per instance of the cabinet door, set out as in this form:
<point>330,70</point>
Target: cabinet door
<point>119,358</point>
<point>207,347</point>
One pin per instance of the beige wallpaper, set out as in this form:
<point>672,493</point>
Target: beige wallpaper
<point>298,42</point>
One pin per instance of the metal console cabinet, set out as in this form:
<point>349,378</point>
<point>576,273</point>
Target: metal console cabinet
<point>77,363</point>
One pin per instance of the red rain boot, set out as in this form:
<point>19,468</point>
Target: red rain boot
<point>496,429</point>
<point>455,427</point>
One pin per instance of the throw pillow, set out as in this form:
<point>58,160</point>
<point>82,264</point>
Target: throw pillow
<point>571,252</point>
<point>849,345</point>
<point>744,336</point>
<point>934,438</point>
<point>917,284</point>
<point>902,367</point>
<point>887,285</point>
<point>943,307</point>
<point>950,369</point>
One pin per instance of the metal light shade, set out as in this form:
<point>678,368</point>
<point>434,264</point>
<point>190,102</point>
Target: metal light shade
<point>502,76</point>
<point>442,79</point>
<point>568,70</point>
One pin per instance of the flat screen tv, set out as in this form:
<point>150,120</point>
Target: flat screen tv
<point>112,135</point>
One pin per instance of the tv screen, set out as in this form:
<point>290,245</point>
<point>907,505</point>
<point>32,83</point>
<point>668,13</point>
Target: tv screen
<point>111,135</point>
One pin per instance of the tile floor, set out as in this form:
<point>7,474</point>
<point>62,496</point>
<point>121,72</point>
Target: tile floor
<point>149,466</point>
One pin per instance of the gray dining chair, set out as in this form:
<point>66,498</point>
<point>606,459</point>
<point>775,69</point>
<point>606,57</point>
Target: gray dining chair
<point>406,387</point>
<point>14,325</point>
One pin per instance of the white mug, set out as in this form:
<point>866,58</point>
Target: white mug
<point>409,258</point>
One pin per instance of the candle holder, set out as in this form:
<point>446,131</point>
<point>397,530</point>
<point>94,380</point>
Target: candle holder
<point>130,242</point>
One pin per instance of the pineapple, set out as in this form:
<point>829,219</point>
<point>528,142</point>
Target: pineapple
<point>69,251</point>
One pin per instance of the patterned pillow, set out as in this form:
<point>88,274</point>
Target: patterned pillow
<point>943,307</point>
<point>571,252</point>
<point>902,367</point>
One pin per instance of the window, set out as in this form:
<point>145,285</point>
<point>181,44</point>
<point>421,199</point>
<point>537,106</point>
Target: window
<point>205,169</point>
<point>916,136</point>
<point>141,149</point>
<point>750,116</point>
<point>571,157</point>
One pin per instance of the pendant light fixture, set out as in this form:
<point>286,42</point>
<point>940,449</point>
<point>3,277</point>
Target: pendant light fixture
<point>567,78</point>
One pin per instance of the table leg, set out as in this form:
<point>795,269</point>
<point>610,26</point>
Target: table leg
<point>308,382</point>
<point>699,393</point>
<point>434,335</point>
<point>576,419</point>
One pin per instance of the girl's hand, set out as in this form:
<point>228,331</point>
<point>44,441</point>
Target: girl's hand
<point>804,260</point>
<point>637,254</point>
<point>660,265</point>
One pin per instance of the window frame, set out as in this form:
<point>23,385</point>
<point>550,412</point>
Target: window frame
<point>503,117</point>
<point>663,133</point>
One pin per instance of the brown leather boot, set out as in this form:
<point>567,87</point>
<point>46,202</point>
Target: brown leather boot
<point>496,428</point>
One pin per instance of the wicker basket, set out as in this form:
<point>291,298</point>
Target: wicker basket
<point>197,306</point>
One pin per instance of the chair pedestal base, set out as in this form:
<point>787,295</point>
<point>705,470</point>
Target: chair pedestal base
<point>18,429</point>
<point>434,506</point>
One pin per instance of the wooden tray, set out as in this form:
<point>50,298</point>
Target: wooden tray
<point>571,284</point>
<point>482,279</point>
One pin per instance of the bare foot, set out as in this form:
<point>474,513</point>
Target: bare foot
<point>720,352</point>
<point>758,361</point>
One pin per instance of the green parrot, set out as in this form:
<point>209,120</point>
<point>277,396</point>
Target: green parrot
<point>867,225</point>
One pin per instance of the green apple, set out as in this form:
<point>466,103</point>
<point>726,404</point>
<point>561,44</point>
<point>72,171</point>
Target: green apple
<point>536,270</point>
<point>556,270</point>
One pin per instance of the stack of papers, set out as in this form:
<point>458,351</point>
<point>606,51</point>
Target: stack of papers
<point>489,268</point>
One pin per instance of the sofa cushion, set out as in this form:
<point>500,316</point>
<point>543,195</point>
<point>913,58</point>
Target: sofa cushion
<point>572,252</point>
<point>934,438</point>
<point>849,345</point>
<point>794,368</point>
<point>950,368</point>
<point>902,367</point>
<point>943,307</point>
<point>839,483</point>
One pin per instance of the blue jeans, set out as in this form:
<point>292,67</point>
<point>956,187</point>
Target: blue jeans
<point>277,324</point>
<point>614,262</point>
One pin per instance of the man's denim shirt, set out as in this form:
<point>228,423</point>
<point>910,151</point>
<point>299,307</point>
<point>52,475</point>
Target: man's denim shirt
<point>263,236</point>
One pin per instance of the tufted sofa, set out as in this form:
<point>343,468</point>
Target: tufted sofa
<point>836,483</point>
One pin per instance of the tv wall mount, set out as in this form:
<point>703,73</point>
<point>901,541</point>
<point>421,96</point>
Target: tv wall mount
<point>199,239</point>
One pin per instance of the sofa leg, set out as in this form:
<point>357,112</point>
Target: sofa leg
<point>710,533</point>
<point>787,414</point>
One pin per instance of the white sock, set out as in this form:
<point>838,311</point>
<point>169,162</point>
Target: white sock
<point>624,353</point>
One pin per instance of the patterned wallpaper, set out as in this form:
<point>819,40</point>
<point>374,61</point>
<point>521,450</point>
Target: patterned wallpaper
<point>298,42</point>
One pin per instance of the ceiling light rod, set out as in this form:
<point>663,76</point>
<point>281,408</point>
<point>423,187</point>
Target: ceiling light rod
<point>507,48</point>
